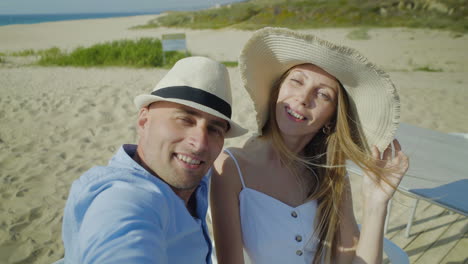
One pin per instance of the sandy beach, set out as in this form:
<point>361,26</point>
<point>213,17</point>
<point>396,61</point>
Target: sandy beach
<point>57,122</point>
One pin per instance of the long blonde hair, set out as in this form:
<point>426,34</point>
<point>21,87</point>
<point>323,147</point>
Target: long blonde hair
<point>324,157</point>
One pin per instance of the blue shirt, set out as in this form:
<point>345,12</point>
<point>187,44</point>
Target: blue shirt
<point>121,213</point>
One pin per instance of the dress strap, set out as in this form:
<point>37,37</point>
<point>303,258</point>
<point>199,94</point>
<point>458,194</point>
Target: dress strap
<point>237,165</point>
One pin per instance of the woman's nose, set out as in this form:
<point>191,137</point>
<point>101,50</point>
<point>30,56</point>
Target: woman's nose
<point>306,97</point>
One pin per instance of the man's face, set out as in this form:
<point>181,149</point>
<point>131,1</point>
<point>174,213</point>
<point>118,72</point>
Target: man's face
<point>179,143</point>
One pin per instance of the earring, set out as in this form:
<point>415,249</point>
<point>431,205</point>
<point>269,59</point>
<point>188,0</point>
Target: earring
<point>326,129</point>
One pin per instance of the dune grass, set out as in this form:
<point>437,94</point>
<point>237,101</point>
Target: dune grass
<point>254,14</point>
<point>359,34</point>
<point>145,52</point>
<point>24,53</point>
<point>428,69</point>
<point>230,63</point>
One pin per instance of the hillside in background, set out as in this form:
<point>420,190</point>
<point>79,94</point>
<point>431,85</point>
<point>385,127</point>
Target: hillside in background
<point>254,14</point>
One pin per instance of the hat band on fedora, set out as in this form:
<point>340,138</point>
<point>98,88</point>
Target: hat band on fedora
<point>195,95</point>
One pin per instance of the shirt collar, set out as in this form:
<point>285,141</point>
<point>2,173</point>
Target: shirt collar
<point>124,159</point>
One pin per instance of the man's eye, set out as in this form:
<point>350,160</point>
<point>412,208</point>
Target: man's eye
<point>185,120</point>
<point>217,131</point>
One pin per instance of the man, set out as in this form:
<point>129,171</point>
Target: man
<point>149,204</point>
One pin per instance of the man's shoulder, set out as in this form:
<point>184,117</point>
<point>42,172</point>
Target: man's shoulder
<point>121,192</point>
<point>107,173</point>
<point>112,180</point>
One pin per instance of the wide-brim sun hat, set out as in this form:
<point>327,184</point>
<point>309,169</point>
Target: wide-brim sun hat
<point>270,52</point>
<point>200,83</point>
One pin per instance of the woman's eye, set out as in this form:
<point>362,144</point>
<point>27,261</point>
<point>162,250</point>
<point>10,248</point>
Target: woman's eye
<point>296,81</point>
<point>324,96</point>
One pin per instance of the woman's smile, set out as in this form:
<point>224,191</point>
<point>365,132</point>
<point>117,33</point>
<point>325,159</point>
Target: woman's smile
<point>294,116</point>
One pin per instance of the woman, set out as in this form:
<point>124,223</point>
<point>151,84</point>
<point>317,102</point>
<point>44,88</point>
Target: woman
<point>285,195</point>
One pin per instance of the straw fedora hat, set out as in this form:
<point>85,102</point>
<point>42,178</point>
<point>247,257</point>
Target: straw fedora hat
<point>272,51</point>
<point>200,83</point>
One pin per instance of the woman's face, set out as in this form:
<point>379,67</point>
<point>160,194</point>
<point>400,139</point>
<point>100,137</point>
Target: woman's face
<point>306,102</point>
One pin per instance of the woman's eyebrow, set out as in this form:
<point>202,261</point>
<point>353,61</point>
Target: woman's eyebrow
<point>331,87</point>
<point>301,72</point>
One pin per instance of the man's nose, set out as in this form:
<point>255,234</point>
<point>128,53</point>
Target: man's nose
<point>198,138</point>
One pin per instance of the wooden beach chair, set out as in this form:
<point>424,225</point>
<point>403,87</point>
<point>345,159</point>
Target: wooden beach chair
<point>438,170</point>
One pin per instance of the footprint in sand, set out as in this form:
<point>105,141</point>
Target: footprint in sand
<point>106,117</point>
<point>23,103</point>
<point>26,254</point>
<point>111,149</point>
<point>105,129</point>
<point>10,179</point>
<point>85,108</point>
<point>6,195</point>
<point>22,192</point>
<point>17,228</point>
<point>35,213</point>
<point>81,169</point>
<point>85,140</point>
<point>63,155</point>
<point>45,108</point>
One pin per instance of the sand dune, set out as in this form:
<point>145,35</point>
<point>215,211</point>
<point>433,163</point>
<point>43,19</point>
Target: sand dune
<point>57,122</point>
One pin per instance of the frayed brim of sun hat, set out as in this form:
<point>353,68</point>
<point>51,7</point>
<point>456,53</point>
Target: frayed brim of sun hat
<point>200,83</point>
<point>270,52</point>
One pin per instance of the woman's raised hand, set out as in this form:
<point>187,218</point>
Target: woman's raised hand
<point>394,164</point>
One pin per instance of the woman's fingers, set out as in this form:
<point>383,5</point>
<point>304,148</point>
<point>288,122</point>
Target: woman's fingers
<point>387,155</point>
<point>403,159</point>
<point>397,146</point>
<point>375,153</point>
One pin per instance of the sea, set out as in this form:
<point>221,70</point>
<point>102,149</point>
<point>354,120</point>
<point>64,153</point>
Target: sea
<point>11,19</point>
<point>39,18</point>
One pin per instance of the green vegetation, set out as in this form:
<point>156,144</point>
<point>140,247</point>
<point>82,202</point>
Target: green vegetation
<point>254,14</point>
<point>359,34</point>
<point>428,69</point>
<point>230,63</point>
<point>24,53</point>
<point>146,52</point>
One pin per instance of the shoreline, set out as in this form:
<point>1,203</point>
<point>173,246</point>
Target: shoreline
<point>78,17</point>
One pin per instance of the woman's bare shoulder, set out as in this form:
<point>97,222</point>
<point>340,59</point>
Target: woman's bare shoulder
<point>249,152</point>
<point>225,177</point>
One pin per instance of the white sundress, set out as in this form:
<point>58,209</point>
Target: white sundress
<point>274,232</point>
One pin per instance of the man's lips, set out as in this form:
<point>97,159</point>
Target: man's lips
<point>189,161</point>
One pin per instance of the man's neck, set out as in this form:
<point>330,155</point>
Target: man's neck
<point>185,195</point>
